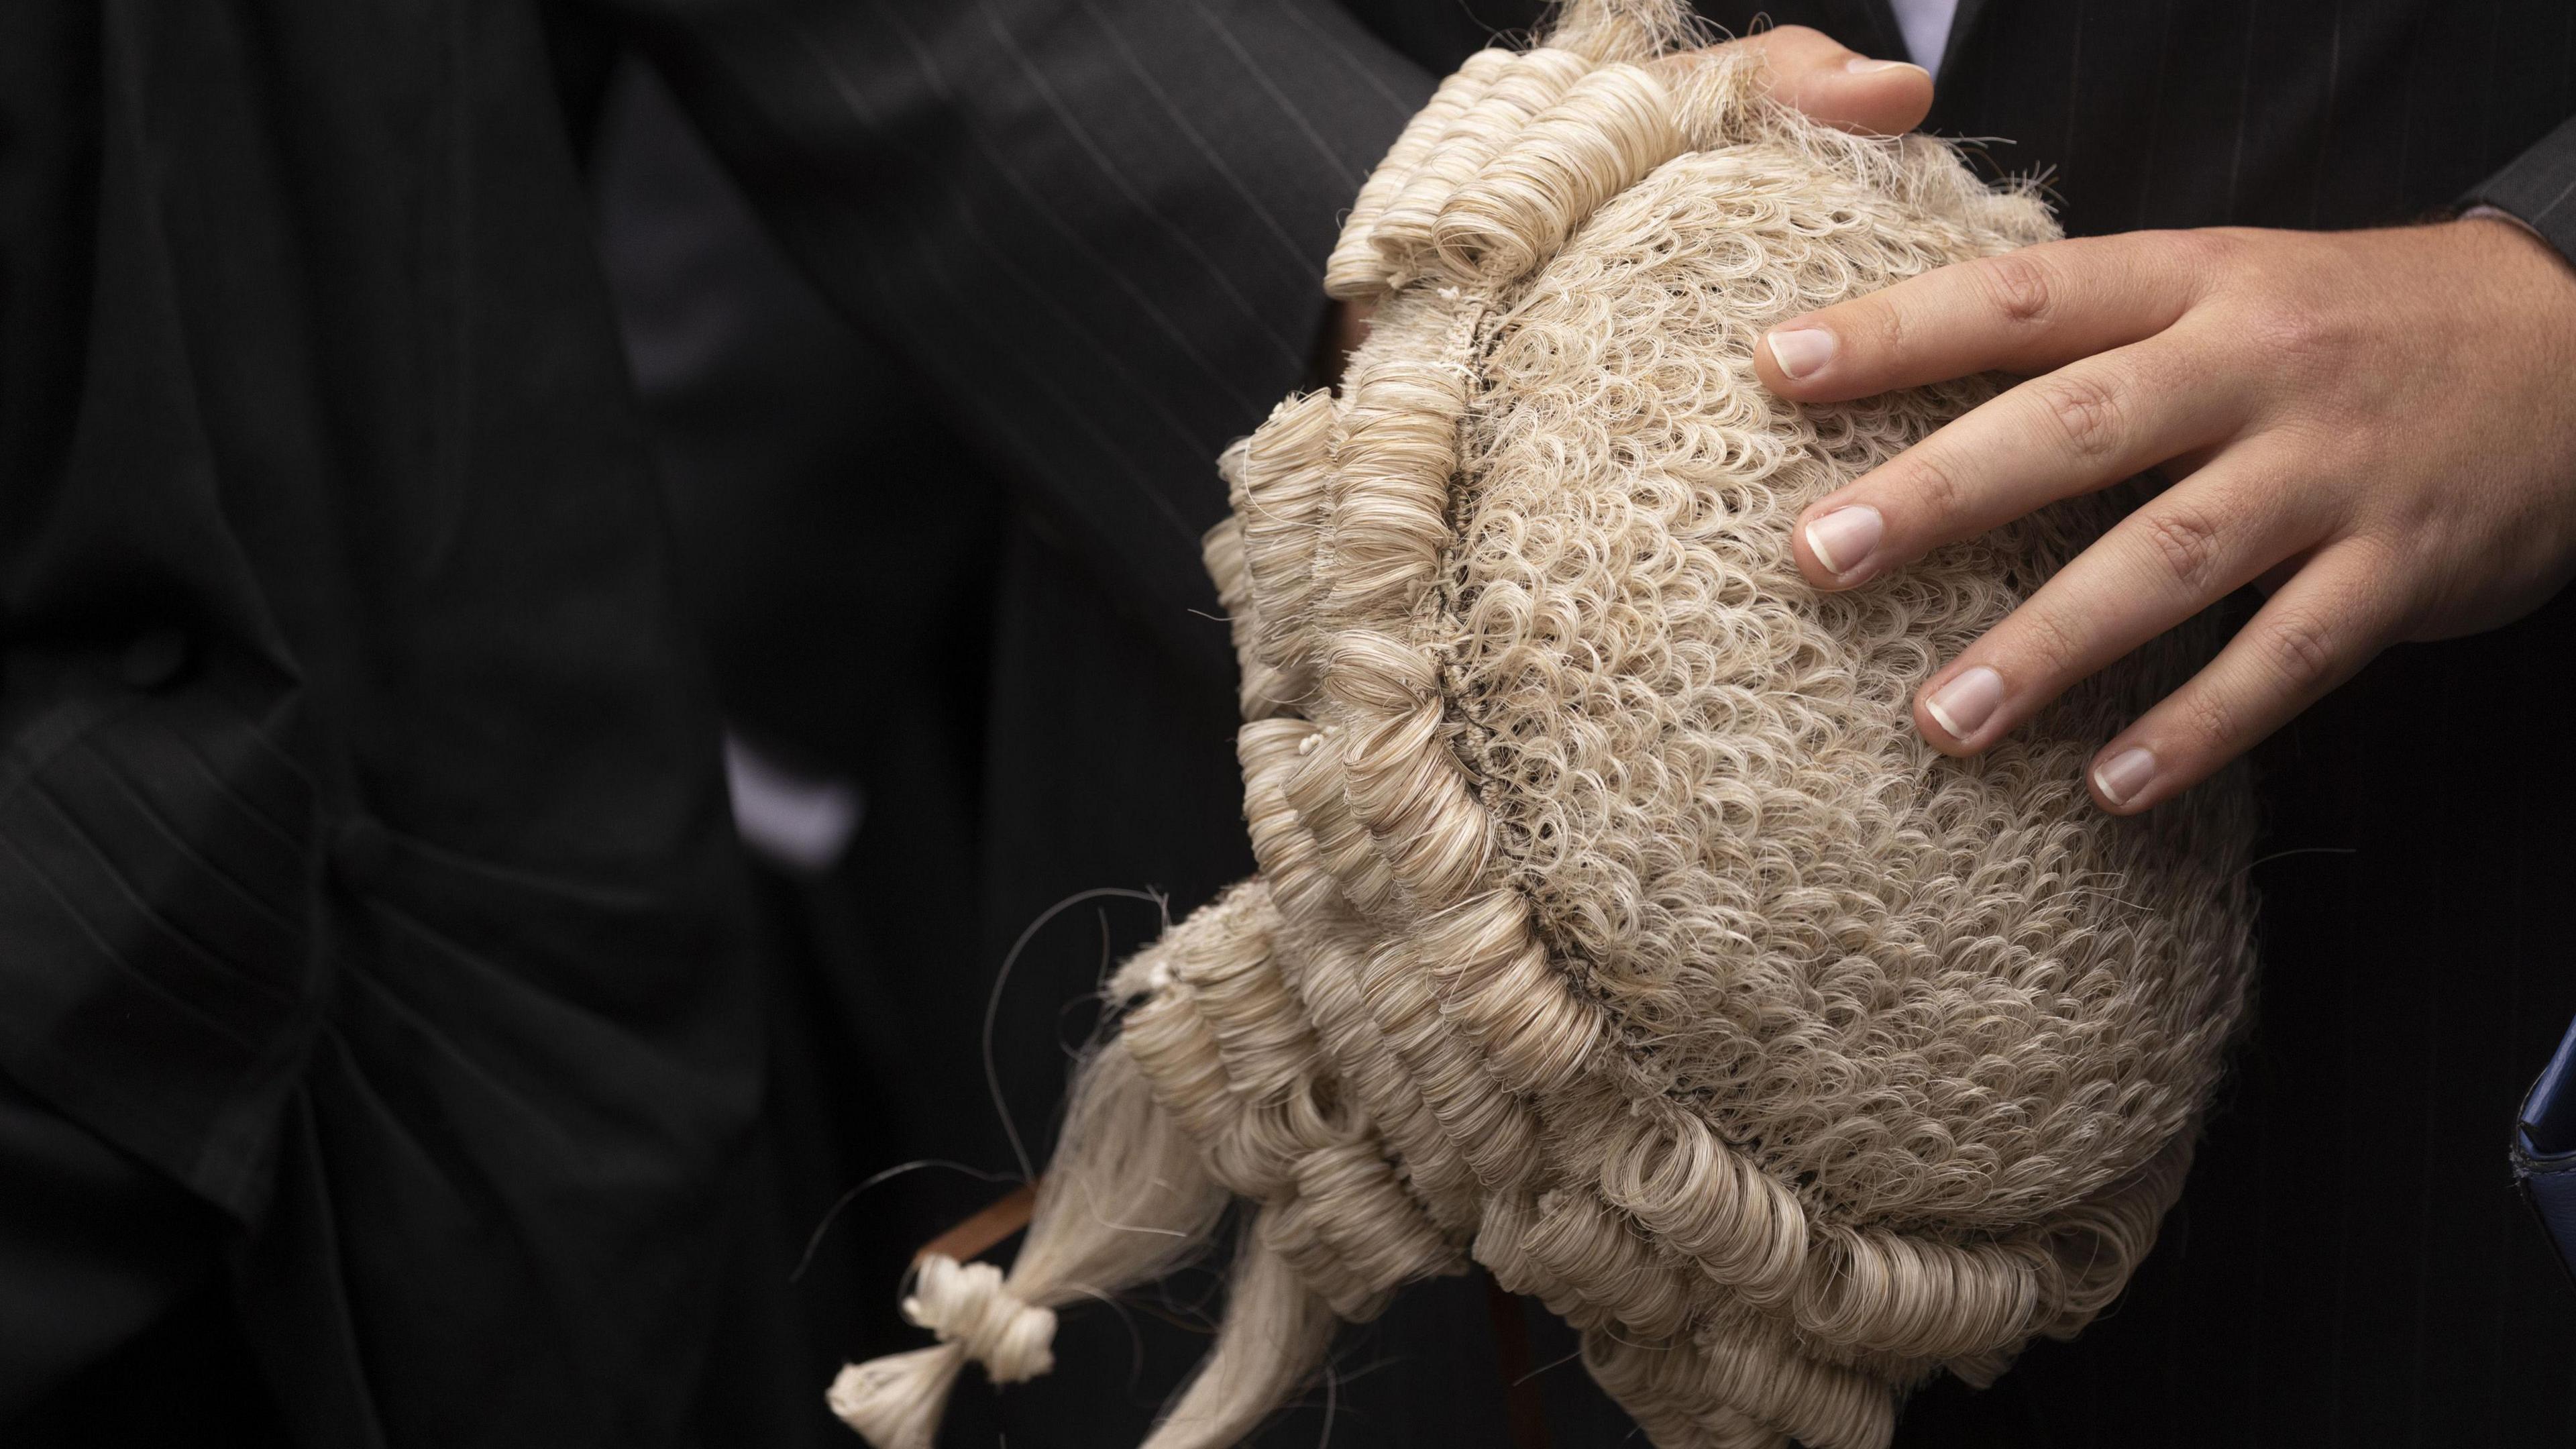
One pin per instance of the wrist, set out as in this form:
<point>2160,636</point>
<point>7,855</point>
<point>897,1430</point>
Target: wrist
<point>2521,238</point>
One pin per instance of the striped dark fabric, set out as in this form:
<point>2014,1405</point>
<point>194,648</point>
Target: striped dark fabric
<point>152,890</point>
<point>1094,230</point>
<point>2539,187</point>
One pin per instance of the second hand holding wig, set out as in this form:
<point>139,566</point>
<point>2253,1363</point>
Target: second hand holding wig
<point>1615,929</point>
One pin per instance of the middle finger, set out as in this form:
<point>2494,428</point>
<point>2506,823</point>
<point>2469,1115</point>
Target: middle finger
<point>2182,551</point>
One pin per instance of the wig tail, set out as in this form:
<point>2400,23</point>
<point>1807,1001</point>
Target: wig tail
<point>1123,1202</point>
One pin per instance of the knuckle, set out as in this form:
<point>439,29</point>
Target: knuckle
<point>2207,256</point>
<point>2323,430</point>
<point>2051,641</point>
<point>2085,410</point>
<point>2299,646</point>
<point>2398,584</point>
<point>1883,324</point>
<point>2207,720</point>
<point>2366,419</point>
<point>2390,554</point>
<point>2411,617</point>
<point>1935,489</point>
<point>2289,337</point>
<point>2018,286</point>
<point>2186,545</point>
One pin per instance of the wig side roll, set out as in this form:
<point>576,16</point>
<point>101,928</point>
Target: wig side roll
<point>1275,1333</point>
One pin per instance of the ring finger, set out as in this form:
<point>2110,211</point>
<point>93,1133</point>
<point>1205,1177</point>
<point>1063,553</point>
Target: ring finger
<point>2182,551</point>
<point>2315,633</point>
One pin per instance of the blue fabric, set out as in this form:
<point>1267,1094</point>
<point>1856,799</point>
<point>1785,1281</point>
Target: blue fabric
<point>2544,1150</point>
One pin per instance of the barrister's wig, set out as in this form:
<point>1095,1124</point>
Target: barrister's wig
<point>1615,930</point>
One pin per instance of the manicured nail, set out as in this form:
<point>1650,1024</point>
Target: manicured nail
<point>1842,539</point>
<point>2122,776</point>
<point>1803,351</point>
<point>1965,703</point>
<point>1863,65</point>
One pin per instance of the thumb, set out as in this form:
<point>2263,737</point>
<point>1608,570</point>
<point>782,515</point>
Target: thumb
<point>1839,86</point>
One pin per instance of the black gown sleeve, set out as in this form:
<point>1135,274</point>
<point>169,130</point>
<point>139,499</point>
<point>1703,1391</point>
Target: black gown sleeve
<point>1093,229</point>
<point>2538,189</point>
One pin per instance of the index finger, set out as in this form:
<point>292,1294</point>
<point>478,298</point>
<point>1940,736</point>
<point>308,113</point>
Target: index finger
<point>2022,312</point>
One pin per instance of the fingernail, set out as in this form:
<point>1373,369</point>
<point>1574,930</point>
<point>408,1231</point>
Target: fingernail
<point>1965,703</point>
<point>1842,539</point>
<point>1803,351</point>
<point>2122,776</point>
<point>1863,65</point>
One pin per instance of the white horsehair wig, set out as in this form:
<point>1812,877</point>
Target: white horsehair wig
<point>1615,929</point>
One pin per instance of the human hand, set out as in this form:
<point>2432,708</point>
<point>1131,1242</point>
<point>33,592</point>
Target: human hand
<point>2379,427</point>
<point>1807,69</point>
